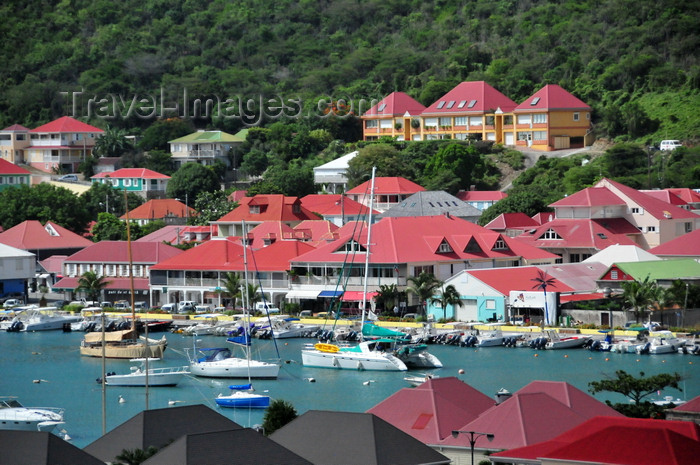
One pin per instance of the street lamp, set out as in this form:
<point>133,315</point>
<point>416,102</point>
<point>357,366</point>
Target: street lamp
<point>473,436</point>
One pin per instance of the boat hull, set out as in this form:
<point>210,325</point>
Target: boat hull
<point>128,351</point>
<point>243,400</point>
<point>568,343</point>
<point>351,361</point>
<point>169,376</point>
<point>235,368</point>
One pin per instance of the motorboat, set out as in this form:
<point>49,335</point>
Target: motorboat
<point>15,416</point>
<point>242,396</point>
<point>374,355</point>
<point>220,363</point>
<point>554,341</point>
<point>417,380</point>
<point>417,356</point>
<point>121,344</point>
<point>164,376</point>
<point>41,319</point>
<point>663,342</point>
<point>284,328</point>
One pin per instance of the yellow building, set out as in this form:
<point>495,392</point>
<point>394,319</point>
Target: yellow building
<point>13,141</point>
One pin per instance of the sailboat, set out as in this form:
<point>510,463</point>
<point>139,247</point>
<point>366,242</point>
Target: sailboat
<point>376,355</point>
<point>219,362</point>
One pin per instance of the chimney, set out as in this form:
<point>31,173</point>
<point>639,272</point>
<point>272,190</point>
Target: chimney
<point>502,395</point>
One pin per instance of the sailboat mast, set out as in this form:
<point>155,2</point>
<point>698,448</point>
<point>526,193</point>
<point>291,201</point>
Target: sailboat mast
<point>367,246</point>
<point>246,297</point>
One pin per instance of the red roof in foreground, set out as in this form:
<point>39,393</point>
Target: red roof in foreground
<point>396,104</point>
<point>551,97</point>
<point>590,197</point>
<point>32,235</point>
<point>130,173</point>
<point>688,195</point>
<point>67,124</point>
<point>432,410</point>
<point>685,245</point>
<point>617,440</point>
<point>387,185</point>
<point>655,207</point>
<point>148,253</point>
<point>10,168</point>
<point>693,405</point>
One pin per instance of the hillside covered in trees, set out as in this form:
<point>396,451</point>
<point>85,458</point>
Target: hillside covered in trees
<point>635,62</point>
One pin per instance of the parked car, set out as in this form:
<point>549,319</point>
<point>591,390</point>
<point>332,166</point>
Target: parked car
<point>670,144</point>
<point>68,178</point>
<point>141,305</point>
<point>202,308</point>
<point>121,305</point>
<point>305,314</point>
<point>169,307</point>
<point>9,303</point>
<point>265,307</point>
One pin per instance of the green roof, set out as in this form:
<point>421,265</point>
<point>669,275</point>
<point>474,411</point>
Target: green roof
<point>661,269</point>
<point>212,136</point>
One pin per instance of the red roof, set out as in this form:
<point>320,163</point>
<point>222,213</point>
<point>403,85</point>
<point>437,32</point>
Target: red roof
<point>478,97</point>
<point>396,104</point>
<point>236,196</point>
<point>416,239</point>
<point>140,284</point>
<point>590,197</point>
<point>481,195</point>
<point>53,264</point>
<point>273,207</point>
<point>693,405</point>
<point>538,412</point>
<point>131,173</point>
<point>160,208</point>
<point>666,196</point>
<point>66,124</point>
<point>582,233</point>
<point>15,128</point>
<point>32,235</point>
<point>519,278</point>
<point>315,232</point>
<point>543,217</point>
<point>334,205</point>
<point>551,97</point>
<point>685,245</point>
<point>270,231</point>
<point>617,440</point>
<point>388,185</point>
<point>10,168</point>
<point>511,221</point>
<point>117,252</point>
<point>688,195</point>
<point>580,297</point>
<point>655,207</point>
<point>431,411</point>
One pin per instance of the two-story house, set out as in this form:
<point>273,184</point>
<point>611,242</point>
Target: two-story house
<point>337,208</point>
<point>171,211</point>
<point>61,145</point>
<point>392,117</point>
<point>552,119</point>
<point>144,182</point>
<point>13,141</point>
<point>12,175</point>
<point>205,147</point>
<point>388,191</point>
<point>255,210</point>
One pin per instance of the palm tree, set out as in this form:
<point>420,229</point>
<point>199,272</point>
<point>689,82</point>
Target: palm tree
<point>92,285</point>
<point>639,296</point>
<point>423,286</point>
<point>279,413</point>
<point>135,456</point>
<point>112,143</point>
<point>450,296</point>
<point>231,285</point>
<point>542,282</point>
<point>388,295</point>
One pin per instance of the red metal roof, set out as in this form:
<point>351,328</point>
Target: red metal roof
<point>117,252</point>
<point>590,197</point>
<point>693,405</point>
<point>334,204</point>
<point>316,232</point>
<point>140,284</point>
<point>32,235</point>
<point>160,208</point>
<point>685,245</point>
<point>273,207</point>
<point>15,128</point>
<point>66,124</point>
<point>271,231</point>
<point>519,278</point>
<point>666,196</point>
<point>396,104</point>
<point>481,195</point>
<point>388,185</point>
<point>53,264</point>
<point>10,168</point>
<point>511,220</point>
<point>581,233</point>
<point>484,97</point>
<point>431,411</point>
<point>551,97</point>
<point>655,207</point>
<point>688,195</point>
<point>130,173</point>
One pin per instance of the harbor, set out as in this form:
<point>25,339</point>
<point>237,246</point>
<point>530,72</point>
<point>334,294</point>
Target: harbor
<point>46,369</point>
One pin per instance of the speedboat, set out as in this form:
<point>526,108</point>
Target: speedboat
<point>663,342</point>
<point>15,416</point>
<point>41,319</point>
<point>219,363</point>
<point>554,341</point>
<point>375,355</point>
<point>417,356</point>
<point>165,376</point>
<point>243,397</point>
<point>417,380</point>
<point>284,328</point>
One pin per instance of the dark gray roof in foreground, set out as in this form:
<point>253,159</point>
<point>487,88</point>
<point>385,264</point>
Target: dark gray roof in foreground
<point>40,448</point>
<point>431,203</point>
<point>234,447</point>
<point>343,438</point>
<point>158,428</point>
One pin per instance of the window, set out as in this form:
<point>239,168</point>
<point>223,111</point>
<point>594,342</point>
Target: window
<point>381,107</point>
<point>613,274</point>
<point>635,210</point>
<point>441,104</point>
<point>386,124</point>
<point>524,136</point>
<point>539,118</point>
<point>451,104</point>
<point>351,246</point>
<point>524,119</point>
<point>535,101</point>
<point>688,227</point>
<point>574,258</point>
<point>540,135</point>
<point>500,244</point>
<point>444,247</point>
<point>461,104</point>
<point>430,122</point>
<point>461,121</point>
<point>421,269</point>
<point>550,234</point>
<point>651,228</point>
<point>253,209</point>
<point>475,121</point>
<point>508,119</point>
<point>471,104</point>
<point>371,123</point>
<point>445,122</point>
<point>577,116</point>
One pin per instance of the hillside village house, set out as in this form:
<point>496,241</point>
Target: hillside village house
<point>12,175</point>
<point>388,192</point>
<point>13,140</point>
<point>43,240</point>
<point>205,147</point>
<point>144,182</point>
<point>331,177</point>
<point>550,119</point>
<point>481,199</point>
<point>336,208</point>
<point>60,145</point>
<point>171,211</point>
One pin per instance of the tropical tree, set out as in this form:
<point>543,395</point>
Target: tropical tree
<point>543,281</point>
<point>449,296</point>
<point>388,294</point>
<point>191,180</point>
<point>423,286</point>
<point>279,413</point>
<point>636,390</point>
<point>639,296</point>
<point>135,456</point>
<point>92,284</point>
<point>231,285</point>
<point>112,143</point>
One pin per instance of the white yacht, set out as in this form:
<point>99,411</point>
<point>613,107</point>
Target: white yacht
<point>375,355</point>
<point>15,416</point>
<point>219,363</point>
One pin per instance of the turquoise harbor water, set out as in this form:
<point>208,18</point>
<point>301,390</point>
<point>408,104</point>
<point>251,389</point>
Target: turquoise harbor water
<point>69,380</point>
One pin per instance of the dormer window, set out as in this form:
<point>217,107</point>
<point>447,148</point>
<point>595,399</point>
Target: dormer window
<point>550,234</point>
<point>296,208</point>
<point>352,246</point>
<point>535,101</point>
<point>461,104</point>
<point>500,244</point>
<point>381,107</point>
<point>444,247</point>
<point>254,209</point>
<point>472,247</point>
<point>471,104</point>
<point>451,104</point>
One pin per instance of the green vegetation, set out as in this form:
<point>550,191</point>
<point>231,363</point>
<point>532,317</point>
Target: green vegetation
<point>279,413</point>
<point>636,390</point>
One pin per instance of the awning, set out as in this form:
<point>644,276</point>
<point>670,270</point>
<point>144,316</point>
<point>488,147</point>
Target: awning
<point>580,297</point>
<point>302,294</point>
<point>330,293</point>
<point>356,296</point>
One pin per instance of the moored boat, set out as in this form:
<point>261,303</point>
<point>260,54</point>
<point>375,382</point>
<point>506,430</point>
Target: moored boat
<point>15,416</point>
<point>218,362</point>
<point>164,376</point>
<point>121,344</point>
<point>373,355</point>
<point>243,397</point>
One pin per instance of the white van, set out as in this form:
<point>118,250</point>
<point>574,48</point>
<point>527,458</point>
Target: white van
<point>670,144</point>
<point>266,307</point>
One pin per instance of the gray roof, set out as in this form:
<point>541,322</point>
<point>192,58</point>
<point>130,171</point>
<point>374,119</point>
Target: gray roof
<point>343,438</point>
<point>582,277</point>
<point>233,447</point>
<point>431,203</point>
<point>158,428</point>
<point>40,448</point>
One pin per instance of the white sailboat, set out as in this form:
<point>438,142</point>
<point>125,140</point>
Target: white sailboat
<point>219,362</point>
<point>367,355</point>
